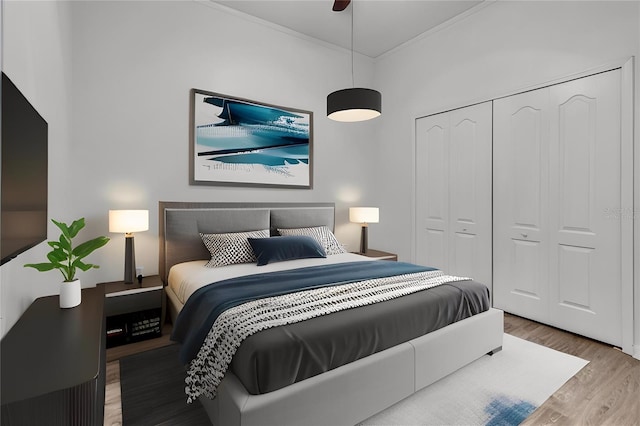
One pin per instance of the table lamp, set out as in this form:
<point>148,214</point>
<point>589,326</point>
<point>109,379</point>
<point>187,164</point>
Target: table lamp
<point>365,216</point>
<point>128,222</point>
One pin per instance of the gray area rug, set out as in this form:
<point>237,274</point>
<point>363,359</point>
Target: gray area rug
<point>152,386</point>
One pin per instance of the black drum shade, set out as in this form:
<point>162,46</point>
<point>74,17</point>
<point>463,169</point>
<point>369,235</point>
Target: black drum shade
<point>356,104</point>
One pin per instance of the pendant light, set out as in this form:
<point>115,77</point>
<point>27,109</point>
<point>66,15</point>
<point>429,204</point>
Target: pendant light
<point>354,104</point>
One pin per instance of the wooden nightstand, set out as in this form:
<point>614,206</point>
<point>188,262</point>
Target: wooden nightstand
<point>380,255</point>
<point>134,311</point>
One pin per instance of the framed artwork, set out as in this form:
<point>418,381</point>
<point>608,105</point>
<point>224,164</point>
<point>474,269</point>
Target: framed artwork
<point>236,141</point>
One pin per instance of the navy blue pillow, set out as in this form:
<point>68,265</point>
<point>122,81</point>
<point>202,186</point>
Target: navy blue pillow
<point>290,247</point>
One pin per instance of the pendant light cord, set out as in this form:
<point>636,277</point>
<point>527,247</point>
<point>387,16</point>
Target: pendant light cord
<point>353,82</point>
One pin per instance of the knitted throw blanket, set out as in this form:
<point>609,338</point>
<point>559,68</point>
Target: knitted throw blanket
<point>207,370</point>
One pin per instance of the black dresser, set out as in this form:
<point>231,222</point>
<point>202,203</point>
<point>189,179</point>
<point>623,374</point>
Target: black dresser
<point>53,364</point>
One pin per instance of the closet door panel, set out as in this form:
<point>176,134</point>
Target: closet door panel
<point>525,155</point>
<point>470,192</point>
<point>434,250</point>
<point>573,274</point>
<point>453,192</point>
<point>463,260</point>
<point>525,258</point>
<point>432,195</point>
<point>520,180</point>
<point>585,163</point>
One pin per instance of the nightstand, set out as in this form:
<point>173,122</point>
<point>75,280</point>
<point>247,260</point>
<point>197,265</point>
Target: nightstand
<point>380,255</point>
<point>134,311</point>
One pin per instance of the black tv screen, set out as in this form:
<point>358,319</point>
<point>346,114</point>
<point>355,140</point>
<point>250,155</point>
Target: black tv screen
<point>24,173</point>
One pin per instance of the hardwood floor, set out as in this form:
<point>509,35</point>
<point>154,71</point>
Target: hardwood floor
<point>605,392</point>
<point>112,396</point>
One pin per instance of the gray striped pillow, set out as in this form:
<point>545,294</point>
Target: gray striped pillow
<point>321,234</point>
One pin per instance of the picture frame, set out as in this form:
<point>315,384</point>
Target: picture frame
<point>240,142</point>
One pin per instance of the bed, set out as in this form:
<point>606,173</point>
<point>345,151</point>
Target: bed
<point>319,386</point>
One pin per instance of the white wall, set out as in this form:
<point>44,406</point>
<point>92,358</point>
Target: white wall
<point>127,85</point>
<point>36,56</point>
<point>499,49</point>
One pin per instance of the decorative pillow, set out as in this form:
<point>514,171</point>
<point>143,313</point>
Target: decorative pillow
<point>290,247</point>
<point>230,248</point>
<point>321,234</point>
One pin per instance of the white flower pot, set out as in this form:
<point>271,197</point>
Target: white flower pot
<point>70,294</point>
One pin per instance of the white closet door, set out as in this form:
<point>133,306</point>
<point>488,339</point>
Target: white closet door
<point>470,192</point>
<point>520,179</point>
<point>453,192</point>
<point>585,242</point>
<point>432,193</point>
<point>557,171</point>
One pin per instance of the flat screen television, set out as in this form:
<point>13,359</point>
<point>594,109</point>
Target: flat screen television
<point>24,173</point>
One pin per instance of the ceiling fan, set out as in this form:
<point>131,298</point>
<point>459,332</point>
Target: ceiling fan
<point>340,5</point>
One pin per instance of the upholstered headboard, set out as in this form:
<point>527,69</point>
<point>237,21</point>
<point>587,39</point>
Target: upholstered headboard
<point>181,223</point>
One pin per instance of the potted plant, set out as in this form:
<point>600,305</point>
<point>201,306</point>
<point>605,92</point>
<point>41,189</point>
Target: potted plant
<point>68,260</point>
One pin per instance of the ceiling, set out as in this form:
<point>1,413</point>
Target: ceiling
<point>379,25</point>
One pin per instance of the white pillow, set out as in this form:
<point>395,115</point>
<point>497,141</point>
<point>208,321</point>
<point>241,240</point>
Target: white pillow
<point>321,234</point>
<point>230,248</point>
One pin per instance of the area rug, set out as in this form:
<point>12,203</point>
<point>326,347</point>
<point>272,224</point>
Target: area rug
<point>503,389</point>
<point>152,389</point>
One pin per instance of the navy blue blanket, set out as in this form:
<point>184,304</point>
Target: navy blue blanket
<point>205,305</point>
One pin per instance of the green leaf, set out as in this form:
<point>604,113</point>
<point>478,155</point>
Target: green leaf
<point>42,267</point>
<point>63,227</point>
<point>65,243</point>
<point>57,256</point>
<point>75,227</point>
<point>84,266</point>
<point>88,247</point>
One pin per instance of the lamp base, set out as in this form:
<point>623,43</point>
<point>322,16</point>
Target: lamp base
<point>129,260</point>
<point>364,239</point>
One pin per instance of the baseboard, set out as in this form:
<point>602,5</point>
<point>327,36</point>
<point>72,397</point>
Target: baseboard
<point>636,351</point>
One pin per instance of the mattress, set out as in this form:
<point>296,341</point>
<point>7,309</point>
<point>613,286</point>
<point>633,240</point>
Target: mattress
<point>277,357</point>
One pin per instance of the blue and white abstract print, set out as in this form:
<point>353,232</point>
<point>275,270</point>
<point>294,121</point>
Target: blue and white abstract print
<point>237,141</point>
<point>503,410</point>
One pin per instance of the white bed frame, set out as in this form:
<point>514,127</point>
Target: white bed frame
<point>351,393</point>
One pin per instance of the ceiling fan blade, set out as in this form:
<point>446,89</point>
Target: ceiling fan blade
<point>340,5</point>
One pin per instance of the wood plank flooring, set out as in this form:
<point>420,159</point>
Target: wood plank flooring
<point>605,392</point>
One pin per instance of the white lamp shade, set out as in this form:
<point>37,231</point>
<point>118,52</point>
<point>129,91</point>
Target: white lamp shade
<point>364,214</point>
<point>128,221</point>
<point>353,115</point>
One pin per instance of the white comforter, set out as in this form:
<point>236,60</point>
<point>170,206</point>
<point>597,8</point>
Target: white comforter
<point>185,278</point>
